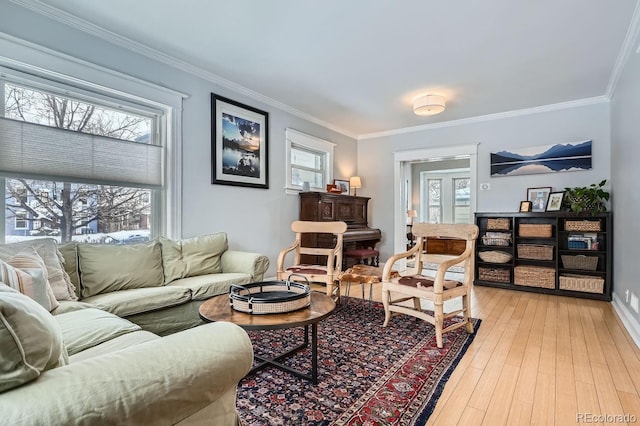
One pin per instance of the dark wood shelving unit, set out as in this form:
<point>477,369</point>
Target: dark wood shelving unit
<point>570,267</point>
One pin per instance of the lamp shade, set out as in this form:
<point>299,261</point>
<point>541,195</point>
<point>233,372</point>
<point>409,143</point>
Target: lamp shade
<point>412,213</point>
<point>355,182</point>
<point>428,105</point>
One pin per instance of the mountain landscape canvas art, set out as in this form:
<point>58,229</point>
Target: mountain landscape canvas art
<point>566,157</point>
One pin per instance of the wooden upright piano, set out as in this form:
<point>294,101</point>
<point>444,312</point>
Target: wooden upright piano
<point>327,207</point>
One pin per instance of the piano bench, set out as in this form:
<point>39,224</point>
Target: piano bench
<point>364,256</point>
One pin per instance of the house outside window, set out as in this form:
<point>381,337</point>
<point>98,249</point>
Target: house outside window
<point>20,220</point>
<point>309,159</point>
<point>81,138</point>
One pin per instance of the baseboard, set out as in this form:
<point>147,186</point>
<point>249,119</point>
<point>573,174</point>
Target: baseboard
<point>627,318</point>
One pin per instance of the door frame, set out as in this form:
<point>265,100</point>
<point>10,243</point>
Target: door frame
<point>402,172</point>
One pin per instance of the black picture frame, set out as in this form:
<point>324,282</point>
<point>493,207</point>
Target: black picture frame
<point>525,206</point>
<point>554,203</point>
<point>239,144</point>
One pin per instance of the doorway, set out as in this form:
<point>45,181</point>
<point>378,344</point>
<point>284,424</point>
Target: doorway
<point>407,189</point>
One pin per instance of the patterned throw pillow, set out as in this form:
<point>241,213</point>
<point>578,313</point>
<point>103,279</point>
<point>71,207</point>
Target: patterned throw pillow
<point>47,248</point>
<point>27,273</point>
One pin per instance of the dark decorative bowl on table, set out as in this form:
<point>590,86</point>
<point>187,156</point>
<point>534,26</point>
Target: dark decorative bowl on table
<point>270,297</point>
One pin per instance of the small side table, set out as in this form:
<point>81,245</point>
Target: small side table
<point>364,274</point>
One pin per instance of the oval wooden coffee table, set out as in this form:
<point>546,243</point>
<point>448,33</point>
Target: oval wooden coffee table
<point>218,308</point>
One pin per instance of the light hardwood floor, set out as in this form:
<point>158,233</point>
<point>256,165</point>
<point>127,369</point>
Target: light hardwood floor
<point>540,360</point>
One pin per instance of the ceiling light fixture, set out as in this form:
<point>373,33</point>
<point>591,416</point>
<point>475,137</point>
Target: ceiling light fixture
<point>428,105</point>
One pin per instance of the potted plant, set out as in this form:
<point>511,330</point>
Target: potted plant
<point>587,198</point>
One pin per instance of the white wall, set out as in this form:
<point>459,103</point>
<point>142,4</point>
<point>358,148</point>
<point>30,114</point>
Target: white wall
<point>566,125</point>
<point>625,152</point>
<point>255,219</point>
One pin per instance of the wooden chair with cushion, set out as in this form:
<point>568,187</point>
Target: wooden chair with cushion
<point>414,285</point>
<point>326,272</point>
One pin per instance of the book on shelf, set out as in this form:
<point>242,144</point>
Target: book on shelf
<point>583,241</point>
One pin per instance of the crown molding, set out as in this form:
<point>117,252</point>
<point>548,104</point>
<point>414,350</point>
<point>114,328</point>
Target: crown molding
<point>489,117</point>
<point>141,49</point>
<point>625,51</point>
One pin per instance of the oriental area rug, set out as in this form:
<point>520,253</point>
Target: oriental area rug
<point>367,374</point>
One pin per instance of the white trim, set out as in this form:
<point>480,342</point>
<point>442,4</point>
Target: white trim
<point>38,60</point>
<point>173,211</point>
<point>489,117</point>
<point>400,161</point>
<point>311,142</point>
<point>118,40</point>
<point>627,318</point>
<point>625,51</point>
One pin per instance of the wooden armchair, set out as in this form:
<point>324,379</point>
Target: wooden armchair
<point>326,273</point>
<point>413,285</point>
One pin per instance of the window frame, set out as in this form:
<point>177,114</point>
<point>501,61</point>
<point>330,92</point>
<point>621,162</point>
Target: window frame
<point>296,138</point>
<point>23,61</point>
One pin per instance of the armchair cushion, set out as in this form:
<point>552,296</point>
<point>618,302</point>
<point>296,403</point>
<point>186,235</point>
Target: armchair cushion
<point>308,269</point>
<point>421,281</point>
<point>30,340</point>
<point>193,256</point>
<point>107,268</point>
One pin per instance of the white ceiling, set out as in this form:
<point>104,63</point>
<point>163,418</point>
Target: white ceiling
<point>358,64</point>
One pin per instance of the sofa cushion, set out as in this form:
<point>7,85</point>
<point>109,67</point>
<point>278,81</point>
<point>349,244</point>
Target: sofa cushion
<point>135,301</point>
<point>27,273</point>
<point>193,256</point>
<point>86,328</point>
<point>107,268</point>
<point>69,252</point>
<point>48,251</point>
<point>30,340</point>
<point>117,343</point>
<point>206,286</point>
<point>70,305</point>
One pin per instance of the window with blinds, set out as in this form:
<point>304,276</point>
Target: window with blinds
<point>309,159</point>
<point>77,167</point>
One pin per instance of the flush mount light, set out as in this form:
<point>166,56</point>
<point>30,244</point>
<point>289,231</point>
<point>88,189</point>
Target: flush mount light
<point>428,105</point>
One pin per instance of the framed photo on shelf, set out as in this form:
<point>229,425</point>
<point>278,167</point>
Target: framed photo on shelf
<point>554,204</point>
<point>239,144</point>
<point>538,198</point>
<point>525,206</point>
<point>343,185</point>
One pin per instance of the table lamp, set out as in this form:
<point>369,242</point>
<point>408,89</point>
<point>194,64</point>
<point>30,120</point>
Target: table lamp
<point>355,182</point>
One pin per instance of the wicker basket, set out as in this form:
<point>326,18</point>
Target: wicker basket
<point>535,230</point>
<point>495,256</point>
<point>498,275</point>
<point>582,225</point>
<point>534,276</point>
<point>270,297</point>
<point>501,223</point>
<point>584,283</point>
<point>496,239</point>
<point>587,263</point>
<point>535,251</point>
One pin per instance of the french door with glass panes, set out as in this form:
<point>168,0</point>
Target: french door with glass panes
<point>445,197</point>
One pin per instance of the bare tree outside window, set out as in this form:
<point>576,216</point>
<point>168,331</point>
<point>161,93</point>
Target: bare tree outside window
<point>66,208</point>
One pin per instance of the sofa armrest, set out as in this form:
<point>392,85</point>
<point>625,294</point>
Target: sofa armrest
<point>254,264</point>
<point>158,382</point>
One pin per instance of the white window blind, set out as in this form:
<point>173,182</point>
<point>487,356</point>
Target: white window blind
<point>44,152</point>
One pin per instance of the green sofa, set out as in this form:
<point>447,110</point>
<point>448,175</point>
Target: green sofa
<point>125,318</point>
